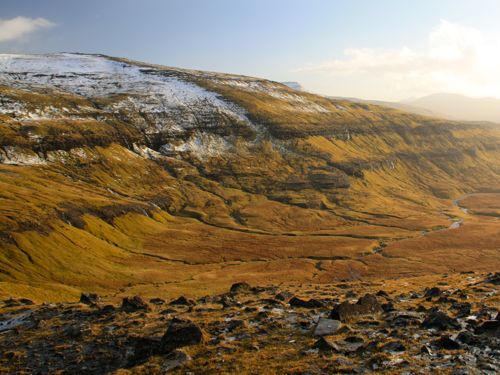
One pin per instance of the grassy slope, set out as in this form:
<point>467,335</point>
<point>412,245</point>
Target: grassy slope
<point>112,219</point>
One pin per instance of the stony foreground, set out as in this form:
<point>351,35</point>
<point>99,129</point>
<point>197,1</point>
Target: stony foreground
<point>438,324</point>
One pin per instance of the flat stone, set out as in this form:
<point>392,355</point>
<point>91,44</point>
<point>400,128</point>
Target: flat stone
<point>174,360</point>
<point>326,327</point>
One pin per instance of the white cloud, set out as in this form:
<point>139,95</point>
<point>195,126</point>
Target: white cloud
<point>455,59</point>
<point>20,27</point>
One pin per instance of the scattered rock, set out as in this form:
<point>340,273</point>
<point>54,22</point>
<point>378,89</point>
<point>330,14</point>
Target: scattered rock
<point>181,333</point>
<point>326,327</point>
<point>132,304</point>
<point>14,302</point>
<point>439,320</point>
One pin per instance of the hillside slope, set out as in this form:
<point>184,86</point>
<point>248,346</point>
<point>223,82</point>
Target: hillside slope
<point>120,174</point>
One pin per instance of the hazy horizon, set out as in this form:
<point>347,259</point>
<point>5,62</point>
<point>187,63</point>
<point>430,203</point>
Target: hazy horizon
<point>362,49</point>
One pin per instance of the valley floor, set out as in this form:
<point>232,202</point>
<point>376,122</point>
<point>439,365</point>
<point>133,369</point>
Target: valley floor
<point>187,257</point>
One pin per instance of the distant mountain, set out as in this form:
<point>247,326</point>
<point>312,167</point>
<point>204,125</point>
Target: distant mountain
<point>402,106</point>
<point>460,107</point>
<point>293,85</point>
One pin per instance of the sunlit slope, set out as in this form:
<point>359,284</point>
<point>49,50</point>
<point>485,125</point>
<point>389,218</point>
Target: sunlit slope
<point>115,172</point>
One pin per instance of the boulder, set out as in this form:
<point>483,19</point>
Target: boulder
<point>326,327</point>
<point>180,333</point>
<point>439,320</point>
<point>89,298</point>
<point>366,305</point>
<point>132,304</point>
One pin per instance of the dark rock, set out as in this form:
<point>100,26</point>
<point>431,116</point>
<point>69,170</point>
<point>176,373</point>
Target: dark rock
<point>490,327</point>
<point>433,292</point>
<point>182,301</point>
<point>236,324</point>
<point>325,344</point>
<point>284,296</point>
<point>241,287</point>
<point>463,309</point>
<point>393,346</point>
<point>309,304</point>
<point>157,301</point>
<point>108,309</point>
<point>132,304</point>
<point>445,342</point>
<point>439,320</point>
<point>388,307</point>
<point>181,333</point>
<point>493,279</point>
<point>356,339</point>
<point>142,349</point>
<point>270,303</point>
<point>446,299</point>
<point>382,293</point>
<point>366,305</point>
<point>465,337</point>
<point>89,298</point>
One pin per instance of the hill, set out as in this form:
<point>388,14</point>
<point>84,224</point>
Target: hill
<point>119,176</point>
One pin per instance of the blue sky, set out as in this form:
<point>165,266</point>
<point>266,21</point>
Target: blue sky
<point>385,49</point>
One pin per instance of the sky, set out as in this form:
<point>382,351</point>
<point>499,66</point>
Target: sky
<point>384,49</point>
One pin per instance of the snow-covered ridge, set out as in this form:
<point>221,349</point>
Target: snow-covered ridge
<point>91,75</point>
<point>170,103</point>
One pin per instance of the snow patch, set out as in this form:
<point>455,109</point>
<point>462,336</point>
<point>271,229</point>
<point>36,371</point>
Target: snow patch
<point>201,145</point>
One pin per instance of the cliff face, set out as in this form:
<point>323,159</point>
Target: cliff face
<point>91,146</point>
